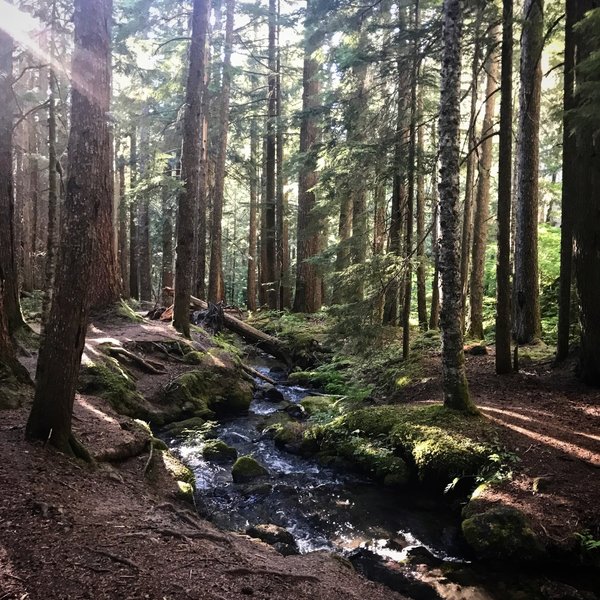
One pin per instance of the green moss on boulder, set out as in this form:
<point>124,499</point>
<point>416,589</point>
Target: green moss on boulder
<point>315,405</point>
<point>192,425</point>
<point>247,469</point>
<point>219,451</point>
<point>502,533</point>
<point>193,358</point>
<point>439,444</point>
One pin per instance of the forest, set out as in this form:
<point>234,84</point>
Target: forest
<point>300,299</point>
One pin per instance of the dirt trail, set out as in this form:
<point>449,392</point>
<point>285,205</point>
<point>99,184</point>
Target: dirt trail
<point>71,531</point>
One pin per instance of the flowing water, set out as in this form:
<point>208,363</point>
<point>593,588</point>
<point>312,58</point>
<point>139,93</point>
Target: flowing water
<point>406,541</point>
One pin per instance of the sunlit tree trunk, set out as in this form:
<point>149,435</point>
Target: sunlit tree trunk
<point>122,234</point>
<point>527,324</point>
<point>482,202</point>
<point>134,289</point>
<point>89,191</point>
<point>144,251</point>
<point>455,386</point>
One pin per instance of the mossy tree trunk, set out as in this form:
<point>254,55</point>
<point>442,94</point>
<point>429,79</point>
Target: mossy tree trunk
<point>89,189</point>
<point>456,389</point>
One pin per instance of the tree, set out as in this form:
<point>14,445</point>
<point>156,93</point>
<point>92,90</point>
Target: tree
<point>482,198</point>
<point>8,263</point>
<point>308,284</point>
<point>456,388</point>
<point>216,292</point>
<point>586,221</point>
<point>503,308</point>
<point>190,166</point>
<point>134,271</point>
<point>89,190</point>
<point>527,323</point>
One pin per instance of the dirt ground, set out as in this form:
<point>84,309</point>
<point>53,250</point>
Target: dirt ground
<point>551,423</point>
<point>69,530</point>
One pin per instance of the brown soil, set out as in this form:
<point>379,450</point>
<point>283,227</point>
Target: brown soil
<point>69,530</point>
<point>551,422</point>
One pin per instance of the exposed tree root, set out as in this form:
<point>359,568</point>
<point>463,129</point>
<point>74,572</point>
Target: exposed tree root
<point>242,571</point>
<point>115,557</point>
<point>147,366</point>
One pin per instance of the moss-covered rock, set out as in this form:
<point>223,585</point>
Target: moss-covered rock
<point>177,469</point>
<point>290,436</point>
<point>386,442</point>
<point>246,469</point>
<point>109,380</point>
<point>315,405</point>
<point>502,533</point>
<point>193,358</point>
<point>216,387</point>
<point>179,428</point>
<point>219,451</point>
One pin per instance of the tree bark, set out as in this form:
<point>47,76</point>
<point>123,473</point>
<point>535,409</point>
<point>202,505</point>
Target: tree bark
<point>134,288</point>
<point>308,283</point>
<point>190,166</point>
<point>421,280</point>
<point>8,262</point>
<point>455,386</point>
<point>503,293</point>
<point>586,222</point>
<point>482,201</point>
<point>144,250</point>
<point>569,186</point>
<point>122,235</point>
<point>166,276</point>
<point>216,291</point>
<point>253,218</point>
<point>89,191</point>
<point>527,324</point>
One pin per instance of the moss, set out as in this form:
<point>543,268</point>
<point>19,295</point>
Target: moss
<point>439,443</point>
<point>193,358</point>
<point>216,387</point>
<point>219,451</point>
<point>291,436</point>
<point>246,469</point>
<point>177,469</point>
<point>109,380</point>
<point>313,405</point>
<point>158,444</point>
<point>502,533</point>
<point>185,491</point>
<point>192,425</point>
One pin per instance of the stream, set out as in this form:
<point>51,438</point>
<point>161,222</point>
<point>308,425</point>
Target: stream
<point>407,541</point>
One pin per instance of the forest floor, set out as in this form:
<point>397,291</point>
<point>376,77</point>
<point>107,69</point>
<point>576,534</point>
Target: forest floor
<point>69,530</point>
<point>549,433</point>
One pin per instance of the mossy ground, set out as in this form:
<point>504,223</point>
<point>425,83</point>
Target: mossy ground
<point>432,442</point>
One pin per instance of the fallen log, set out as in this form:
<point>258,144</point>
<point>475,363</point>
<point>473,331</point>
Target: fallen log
<point>261,340</point>
<point>267,343</point>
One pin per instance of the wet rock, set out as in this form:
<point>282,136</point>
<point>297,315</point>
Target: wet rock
<point>259,489</point>
<point>501,533</point>
<point>277,370</point>
<point>278,537</point>
<point>318,404</point>
<point>296,411</point>
<point>247,469</point>
<point>272,394</point>
<point>391,574</point>
<point>219,451</point>
<point>419,555</point>
<point>179,428</point>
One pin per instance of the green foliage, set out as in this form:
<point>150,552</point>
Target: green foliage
<point>126,309</point>
<point>588,542</point>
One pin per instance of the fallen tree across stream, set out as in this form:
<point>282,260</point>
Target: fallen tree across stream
<point>265,342</point>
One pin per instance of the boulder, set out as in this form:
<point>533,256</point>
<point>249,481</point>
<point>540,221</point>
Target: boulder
<point>272,394</point>
<point>247,469</point>
<point>278,537</point>
<point>219,451</point>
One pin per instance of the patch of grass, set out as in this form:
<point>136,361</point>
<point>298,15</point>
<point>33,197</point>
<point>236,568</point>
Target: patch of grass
<point>126,310</point>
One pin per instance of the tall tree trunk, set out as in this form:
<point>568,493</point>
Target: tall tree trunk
<point>8,262</point>
<point>527,325</point>
<point>166,274</point>
<point>482,202</point>
<point>269,269</point>
<point>190,167</point>
<point>89,191</point>
<point>421,282</point>
<point>569,185</point>
<point>503,294</point>
<point>456,388</point>
<point>253,218</point>
<point>134,288</point>
<point>467,224</point>
<point>308,285</point>
<point>586,221</point>
<point>144,251</point>
<point>52,239</point>
<point>342,260</point>
<point>122,235</point>
<point>216,291</point>
<point>410,200</point>
<point>379,230</point>
<point>203,185</point>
